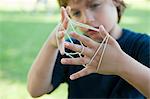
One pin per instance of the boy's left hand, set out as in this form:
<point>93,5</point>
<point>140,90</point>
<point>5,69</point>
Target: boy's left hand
<point>110,62</point>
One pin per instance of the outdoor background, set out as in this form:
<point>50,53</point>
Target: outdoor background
<point>23,30</point>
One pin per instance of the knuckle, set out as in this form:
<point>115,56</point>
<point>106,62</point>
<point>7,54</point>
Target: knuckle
<point>86,72</point>
<point>78,48</point>
<point>82,60</point>
<point>69,61</point>
<point>71,46</point>
<point>87,40</point>
<point>78,75</point>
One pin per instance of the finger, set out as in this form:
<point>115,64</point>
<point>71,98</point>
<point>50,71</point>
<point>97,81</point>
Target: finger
<point>85,40</point>
<point>81,73</point>
<point>79,48</point>
<point>64,16</point>
<point>104,33</point>
<point>68,9</point>
<point>60,41</point>
<point>61,46</point>
<point>75,61</point>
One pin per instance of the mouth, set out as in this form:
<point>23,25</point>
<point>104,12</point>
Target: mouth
<point>91,32</point>
<point>94,34</point>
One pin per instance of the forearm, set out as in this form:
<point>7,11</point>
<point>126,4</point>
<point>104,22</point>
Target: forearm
<point>136,74</point>
<point>40,74</point>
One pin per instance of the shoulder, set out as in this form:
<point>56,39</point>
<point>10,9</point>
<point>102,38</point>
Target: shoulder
<point>130,38</point>
<point>134,36</point>
<point>137,45</point>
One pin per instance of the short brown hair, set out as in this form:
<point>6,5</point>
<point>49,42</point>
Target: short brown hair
<point>120,5</point>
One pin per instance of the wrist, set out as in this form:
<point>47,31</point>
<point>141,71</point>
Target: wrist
<point>122,66</point>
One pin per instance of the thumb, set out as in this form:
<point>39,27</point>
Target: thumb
<point>81,73</point>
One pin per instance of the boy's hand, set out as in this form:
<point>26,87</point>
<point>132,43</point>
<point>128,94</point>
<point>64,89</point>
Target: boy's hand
<point>110,62</point>
<point>61,30</point>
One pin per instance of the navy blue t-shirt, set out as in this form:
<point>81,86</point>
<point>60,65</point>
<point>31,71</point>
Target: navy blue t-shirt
<point>104,86</point>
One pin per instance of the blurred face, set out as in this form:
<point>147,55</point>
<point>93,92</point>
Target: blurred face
<point>94,13</point>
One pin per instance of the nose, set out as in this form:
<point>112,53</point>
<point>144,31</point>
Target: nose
<point>88,17</point>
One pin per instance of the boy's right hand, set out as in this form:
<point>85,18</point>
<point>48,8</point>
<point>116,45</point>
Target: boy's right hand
<point>61,33</point>
<point>59,40</point>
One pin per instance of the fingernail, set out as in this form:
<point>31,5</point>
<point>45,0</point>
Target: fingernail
<point>66,44</point>
<point>72,77</point>
<point>63,61</point>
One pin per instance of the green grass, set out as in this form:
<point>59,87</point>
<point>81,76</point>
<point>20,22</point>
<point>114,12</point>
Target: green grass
<point>22,35</point>
<point>137,17</point>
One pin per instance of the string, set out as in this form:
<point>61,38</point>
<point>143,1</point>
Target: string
<point>71,23</point>
<point>103,51</point>
<point>97,51</point>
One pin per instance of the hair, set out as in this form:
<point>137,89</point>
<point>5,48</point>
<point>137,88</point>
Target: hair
<point>120,6</point>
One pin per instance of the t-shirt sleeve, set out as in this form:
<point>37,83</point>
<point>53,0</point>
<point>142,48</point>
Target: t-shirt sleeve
<point>144,51</point>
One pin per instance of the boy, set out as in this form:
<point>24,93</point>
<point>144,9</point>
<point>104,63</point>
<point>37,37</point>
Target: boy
<point>125,60</point>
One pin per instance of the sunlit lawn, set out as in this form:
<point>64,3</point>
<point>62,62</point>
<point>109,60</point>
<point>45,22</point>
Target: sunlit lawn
<point>22,35</point>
